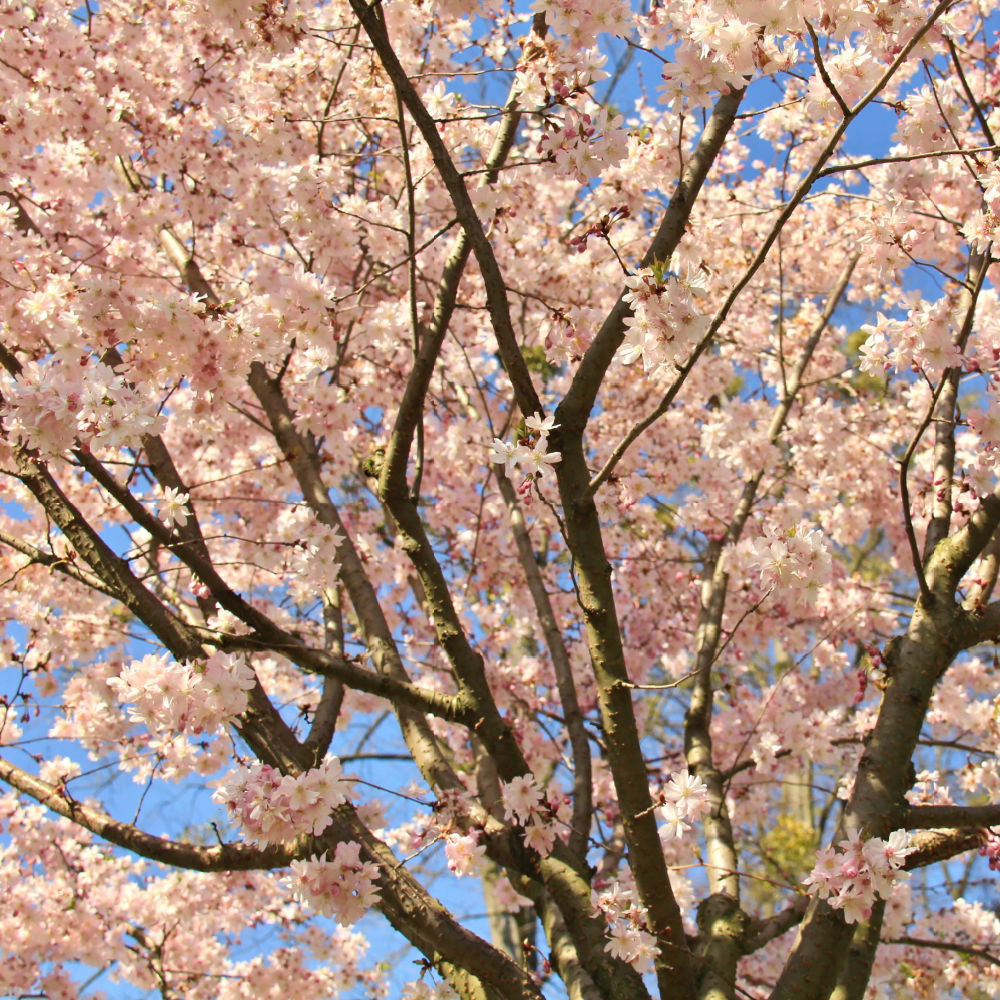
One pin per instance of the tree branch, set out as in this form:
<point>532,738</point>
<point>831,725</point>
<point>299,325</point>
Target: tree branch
<point>61,564</point>
<point>944,411</point>
<point>574,410</point>
<point>955,946</point>
<point>496,292</point>
<point>574,415</point>
<point>573,717</point>
<point>951,816</point>
<point>178,854</point>
<point>332,697</point>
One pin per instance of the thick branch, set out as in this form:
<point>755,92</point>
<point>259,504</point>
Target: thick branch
<point>951,816</point>
<point>465,661</point>
<point>953,556</point>
<point>562,873</point>
<point>596,599</point>
<point>944,462</point>
<point>856,970</point>
<point>941,845</point>
<point>621,735</point>
<point>764,932</point>
<point>563,956</point>
<point>720,918</point>
<point>980,625</point>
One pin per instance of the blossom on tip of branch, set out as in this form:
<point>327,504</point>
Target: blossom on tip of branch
<point>541,425</point>
<point>506,454</point>
<point>536,460</point>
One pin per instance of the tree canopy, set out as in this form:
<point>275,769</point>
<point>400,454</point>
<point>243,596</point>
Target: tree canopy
<point>512,487</point>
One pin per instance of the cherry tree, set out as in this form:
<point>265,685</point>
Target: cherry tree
<point>472,458</point>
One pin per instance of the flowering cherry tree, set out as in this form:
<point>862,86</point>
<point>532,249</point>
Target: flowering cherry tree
<point>472,457</point>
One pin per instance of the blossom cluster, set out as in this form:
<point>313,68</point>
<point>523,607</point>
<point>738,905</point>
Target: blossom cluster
<point>276,808</point>
<point>582,23</point>
<point>924,339</point>
<point>683,798</point>
<point>980,228</point>
<point>184,697</point>
<point>464,853</point>
<point>628,938</point>
<point>525,803</point>
<point>65,402</point>
<point>528,453</point>
<point>544,77</point>
<point>860,871</point>
<point>343,888</point>
<point>986,423</point>
<point>665,323</point>
<point>796,561</point>
<point>314,559</point>
<point>583,144</point>
<point>580,140</point>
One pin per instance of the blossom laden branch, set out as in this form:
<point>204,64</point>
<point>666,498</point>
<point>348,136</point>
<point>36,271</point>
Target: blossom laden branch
<point>195,857</point>
<point>496,293</point>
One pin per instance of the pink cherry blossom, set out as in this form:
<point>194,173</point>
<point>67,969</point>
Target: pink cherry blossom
<point>342,887</point>
<point>521,798</point>
<point>860,871</point>
<point>171,505</point>
<point>464,853</point>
